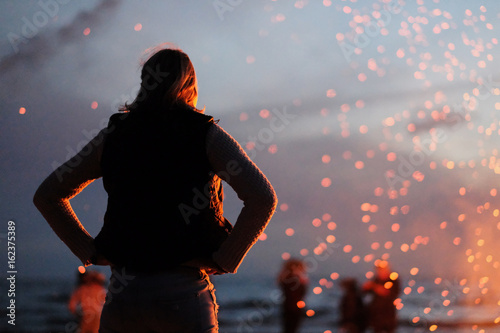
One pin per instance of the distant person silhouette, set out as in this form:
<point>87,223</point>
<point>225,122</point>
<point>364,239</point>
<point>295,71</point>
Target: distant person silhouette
<point>162,162</point>
<point>293,281</point>
<point>87,301</point>
<point>352,310</point>
<point>384,289</point>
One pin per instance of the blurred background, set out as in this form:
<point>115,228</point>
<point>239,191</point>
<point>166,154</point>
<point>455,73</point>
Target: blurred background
<point>376,121</point>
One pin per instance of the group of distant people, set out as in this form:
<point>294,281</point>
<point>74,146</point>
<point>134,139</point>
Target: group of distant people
<point>356,315</point>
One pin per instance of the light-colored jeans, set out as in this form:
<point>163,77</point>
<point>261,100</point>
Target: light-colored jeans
<point>179,300</point>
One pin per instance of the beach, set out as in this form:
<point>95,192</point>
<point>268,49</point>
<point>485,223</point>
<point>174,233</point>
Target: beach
<point>252,305</point>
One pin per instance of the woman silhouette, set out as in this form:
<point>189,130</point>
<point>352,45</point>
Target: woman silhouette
<point>161,161</point>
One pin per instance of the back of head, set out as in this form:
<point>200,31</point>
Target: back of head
<point>294,265</point>
<point>168,80</point>
<point>382,269</point>
<point>93,277</point>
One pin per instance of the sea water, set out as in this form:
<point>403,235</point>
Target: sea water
<point>252,305</point>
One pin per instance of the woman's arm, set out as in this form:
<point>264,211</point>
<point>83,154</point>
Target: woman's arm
<point>234,166</point>
<point>53,195</point>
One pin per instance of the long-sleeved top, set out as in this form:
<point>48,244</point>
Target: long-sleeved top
<point>259,199</point>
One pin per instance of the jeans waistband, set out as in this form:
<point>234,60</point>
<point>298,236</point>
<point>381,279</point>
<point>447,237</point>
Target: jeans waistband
<point>177,270</point>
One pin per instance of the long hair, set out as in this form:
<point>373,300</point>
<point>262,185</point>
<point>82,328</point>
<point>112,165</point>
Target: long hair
<point>168,80</point>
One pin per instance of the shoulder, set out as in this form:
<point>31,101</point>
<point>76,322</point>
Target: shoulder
<point>183,113</point>
<point>218,137</point>
<point>120,116</point>
<point>196,116</point>
<point>116,120</point>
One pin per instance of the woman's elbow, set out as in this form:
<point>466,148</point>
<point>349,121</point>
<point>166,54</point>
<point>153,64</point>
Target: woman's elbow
<point>43,197</point>
<point>269,200</point>
<point>274,200</point>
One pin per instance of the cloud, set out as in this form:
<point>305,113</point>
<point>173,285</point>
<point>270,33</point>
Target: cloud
<point>35,49</point>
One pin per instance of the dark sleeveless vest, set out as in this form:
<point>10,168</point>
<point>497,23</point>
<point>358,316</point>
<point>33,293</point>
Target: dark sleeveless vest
<point>164,201</point>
